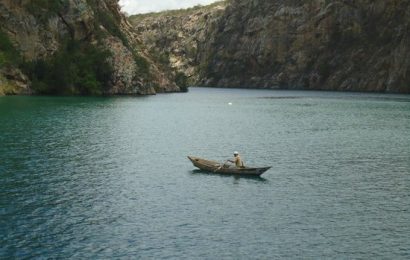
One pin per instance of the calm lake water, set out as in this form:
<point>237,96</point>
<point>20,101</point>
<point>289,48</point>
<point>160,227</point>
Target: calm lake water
<point>104,178</point>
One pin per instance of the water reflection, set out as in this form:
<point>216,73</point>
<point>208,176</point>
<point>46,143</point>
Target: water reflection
<point>236,177</point>
<point>102,178</point>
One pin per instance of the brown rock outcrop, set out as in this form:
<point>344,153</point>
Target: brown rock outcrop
<point>38,29</point>
<point>13,81</point>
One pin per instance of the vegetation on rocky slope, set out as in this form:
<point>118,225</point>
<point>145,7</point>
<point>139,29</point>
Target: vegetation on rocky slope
<point>76,68</point>
<point>88,47</point>
<point>178,12</point>
<point>9,58</point>
<point>330,45</point>
<point>173,37</point>
<point>75,47</point>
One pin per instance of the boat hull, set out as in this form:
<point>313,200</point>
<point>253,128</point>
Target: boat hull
<point>219,168</point>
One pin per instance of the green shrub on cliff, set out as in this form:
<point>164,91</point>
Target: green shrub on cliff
<point>142,63</point>
<point>109,21</point>
<point>8,54</point>
<point>77,68</point>
<point>49,5</point>
<point>182,81</point>
<point>43,9</point>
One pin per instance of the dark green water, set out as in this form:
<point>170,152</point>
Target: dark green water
<point>105,178</point>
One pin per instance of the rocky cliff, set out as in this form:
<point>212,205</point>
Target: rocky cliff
<point>87,46</point>
<point>175,36</point>
<point>348,45</point>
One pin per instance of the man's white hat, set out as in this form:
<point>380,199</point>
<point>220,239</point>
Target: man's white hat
<point>235,152</point>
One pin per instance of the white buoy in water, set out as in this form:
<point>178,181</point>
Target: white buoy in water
<point>230,103</point>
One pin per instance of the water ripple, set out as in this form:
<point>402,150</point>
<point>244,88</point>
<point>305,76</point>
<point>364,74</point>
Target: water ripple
<point>109,178</point>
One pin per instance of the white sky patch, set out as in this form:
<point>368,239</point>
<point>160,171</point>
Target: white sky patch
<point>147,6</point>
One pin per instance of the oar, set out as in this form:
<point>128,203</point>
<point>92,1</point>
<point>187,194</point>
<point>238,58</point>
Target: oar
<point>217,169</point>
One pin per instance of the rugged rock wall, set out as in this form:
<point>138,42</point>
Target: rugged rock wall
<point>174,37</point>
<point>352,45</point>
<point>38,28</point>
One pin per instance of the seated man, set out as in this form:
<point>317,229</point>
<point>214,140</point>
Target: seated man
<point>237,160</point>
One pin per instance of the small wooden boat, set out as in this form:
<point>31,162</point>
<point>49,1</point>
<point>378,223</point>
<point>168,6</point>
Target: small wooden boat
<point>222,168</point>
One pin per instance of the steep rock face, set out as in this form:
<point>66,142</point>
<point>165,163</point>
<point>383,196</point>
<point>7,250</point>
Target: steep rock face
<point>174,37</point>
<point>38,30</point>
<point>346,45</point>
<point>335,45</point>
